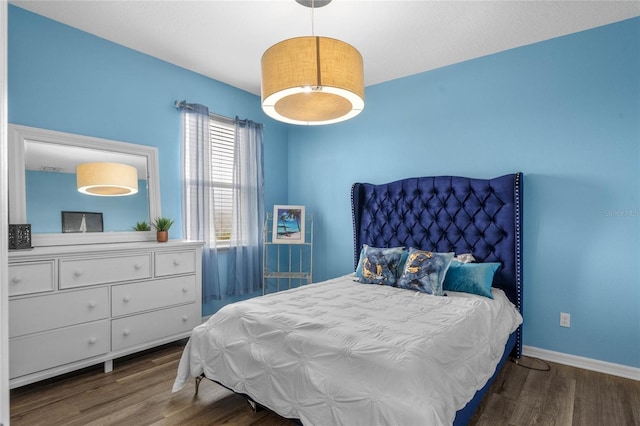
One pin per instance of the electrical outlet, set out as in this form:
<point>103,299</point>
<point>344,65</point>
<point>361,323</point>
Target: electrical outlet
<point>565,319</point>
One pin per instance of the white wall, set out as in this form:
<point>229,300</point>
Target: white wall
<point>4,209</point>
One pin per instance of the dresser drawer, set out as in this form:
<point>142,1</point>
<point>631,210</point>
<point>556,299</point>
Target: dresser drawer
<point>32,277</point>
<point>41,351</point>
<point>143,296</point>
<point>175,262</point>
<point>81,272</point>
<point>134,330</point>
<point>50,311</point>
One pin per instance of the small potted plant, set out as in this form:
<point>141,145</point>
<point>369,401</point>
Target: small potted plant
<point>142,226</point>
<point>162,225</point>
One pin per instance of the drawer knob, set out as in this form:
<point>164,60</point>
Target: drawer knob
<point>92,304</point>
<point>77,274</point>
<point>185,318</point>
<point>126,299</point>
<point>176,263</point>
<point>92,340</point>
<point>126,332</point>
<point>137,267</point>
<point>184,289</point>
<point>16,280</point>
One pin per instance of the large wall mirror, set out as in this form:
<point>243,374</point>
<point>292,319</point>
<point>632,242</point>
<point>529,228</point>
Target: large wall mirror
<point>42,185</point>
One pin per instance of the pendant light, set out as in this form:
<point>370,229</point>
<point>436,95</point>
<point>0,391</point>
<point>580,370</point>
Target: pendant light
<point>107,179</point>
<point>312,80</point>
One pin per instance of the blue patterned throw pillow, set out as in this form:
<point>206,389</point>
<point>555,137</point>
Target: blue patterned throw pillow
<point>474,278</point>
<point>379,265</point>
<point>425,271</point>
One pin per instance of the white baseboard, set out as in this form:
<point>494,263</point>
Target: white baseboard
<point>582,362</point>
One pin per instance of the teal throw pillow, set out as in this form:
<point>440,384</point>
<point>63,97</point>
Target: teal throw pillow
<point>424,271</point>
<point>474,278</point>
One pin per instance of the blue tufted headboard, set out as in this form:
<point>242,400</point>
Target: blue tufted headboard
<point>447,214</point>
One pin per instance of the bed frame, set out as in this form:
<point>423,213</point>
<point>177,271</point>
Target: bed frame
<point>449,214</point>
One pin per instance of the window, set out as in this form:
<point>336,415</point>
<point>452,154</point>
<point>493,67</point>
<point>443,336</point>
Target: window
<point>222,142</point>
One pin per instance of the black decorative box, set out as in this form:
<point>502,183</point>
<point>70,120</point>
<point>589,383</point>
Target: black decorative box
<point>20,237</point>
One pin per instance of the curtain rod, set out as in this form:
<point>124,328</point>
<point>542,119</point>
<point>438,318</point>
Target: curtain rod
<point>185,105</point>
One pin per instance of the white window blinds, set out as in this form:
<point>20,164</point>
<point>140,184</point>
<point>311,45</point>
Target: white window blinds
<point>222,143</point>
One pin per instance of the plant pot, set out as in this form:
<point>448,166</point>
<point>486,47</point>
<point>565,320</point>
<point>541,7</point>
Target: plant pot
<point>162,236</point>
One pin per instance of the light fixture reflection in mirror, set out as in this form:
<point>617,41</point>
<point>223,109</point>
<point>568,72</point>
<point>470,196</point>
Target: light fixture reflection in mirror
<point>51,186</point>
<point>107,179</point>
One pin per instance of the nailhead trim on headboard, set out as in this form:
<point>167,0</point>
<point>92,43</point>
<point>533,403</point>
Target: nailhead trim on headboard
<point>518,254</point>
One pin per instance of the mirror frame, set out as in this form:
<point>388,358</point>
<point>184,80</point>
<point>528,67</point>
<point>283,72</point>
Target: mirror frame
<point>17,196</point>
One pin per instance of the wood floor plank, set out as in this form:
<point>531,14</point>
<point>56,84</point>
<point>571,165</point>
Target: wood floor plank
<point>587,391</point>
<point>499,403</point>
<point>557,403</point>
<point>529,409</point>
<point>616,403</point>
<point>497,410</point>
<point>138,393</point>
<point>630,389</point>
<point>514,377</point>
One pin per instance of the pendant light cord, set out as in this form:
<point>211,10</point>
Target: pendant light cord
<point>313,31</point>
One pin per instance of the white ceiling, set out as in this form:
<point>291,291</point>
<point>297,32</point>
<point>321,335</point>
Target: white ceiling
<point>225,40</point>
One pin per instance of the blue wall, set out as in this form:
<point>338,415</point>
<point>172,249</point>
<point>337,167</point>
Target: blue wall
<point>566,113</point>
<point>64,79</point>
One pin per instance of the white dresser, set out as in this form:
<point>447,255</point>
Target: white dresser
<point>75,306</point>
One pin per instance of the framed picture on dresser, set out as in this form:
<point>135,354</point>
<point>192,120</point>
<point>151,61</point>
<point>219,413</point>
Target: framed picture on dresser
<point>82,222</point>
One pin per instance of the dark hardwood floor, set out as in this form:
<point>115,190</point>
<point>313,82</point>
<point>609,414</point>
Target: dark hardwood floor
<point>138,392</point>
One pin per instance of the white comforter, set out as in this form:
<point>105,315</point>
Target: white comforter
<point>344,353</point>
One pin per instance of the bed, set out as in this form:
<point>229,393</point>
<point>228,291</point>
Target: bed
<point>344,352</point>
